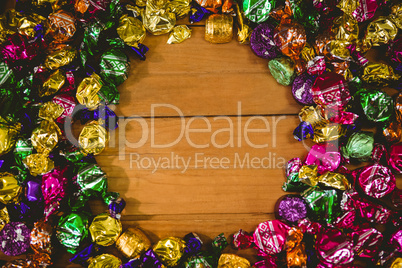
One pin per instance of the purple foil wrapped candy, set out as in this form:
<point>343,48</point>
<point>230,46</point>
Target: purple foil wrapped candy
<point>291,208</point>
<point>301,89</point>
<point>14,238</point>
<point>262,41</point>
<point>34,191</point>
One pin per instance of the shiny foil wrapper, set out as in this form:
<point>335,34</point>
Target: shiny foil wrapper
<point>282,69</point>
<point>301,89</point>
<point>60,58</point>
<point>376,180</point>
<point>232,260</point>
<point>366,242</point>
<point>54,190</point>
<point>316,66</point>
<point>243,27</point>
<point>334,180</point>
<point>377,105</point>
<point>328,132</point>
<point>45,137</point>
<point>61,26</point>
<point>131,30</point>
<point>180,7</point>
<point>68,104</point>
<point>50,111</point>
<point>345,28</point>
<point>104,260</point>
<point>10,189</point>
<point>38,164</point>
<point>262,41</point>
<point>311,115</point>
<point>322,203</point>
<point>179,34</point>
<point>219,28</point>
<point>396,15</point>
<point>331,90</point>
<point>87,91</point>
<point>334,247</point>
<point>53,84</point>
<point>291,208</point>
<point>7,76</point>
<point>114,66</point>
<point>8,135</point>
<point>105,230</point>
<point>270,236</point>
<point>365,10</point>
<point>170,250</point>
<point>4,217</point>
<point>379,74</point>
<point>395,157</point>
<point>257,11</point>
<point>41,236</point>
<point>91,180</point>
<point>211,5</point>
<point>325,156</point>
<point>379,32</point>
<point>360,145</point>
<point>289,36</point>
<point>14,238</point>
<point>157,18</point>
<point>72,229</point>
<point>93,138</point>
<point>308,175</point>
<point>132,243</point>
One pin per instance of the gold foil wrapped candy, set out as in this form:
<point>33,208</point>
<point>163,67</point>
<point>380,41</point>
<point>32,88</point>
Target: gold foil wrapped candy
<point>104,261</point>
<point>308,175</point>
<point>334,180</point>
<point>396,15</point>
<point>93,138</point>
<point>38,164</point>
<point>180,7</point>
<point>179,34</point>
<point>243,29</point>
<point>219,29</point>
<point>328,132</point>
<point>105,230</point>
<point>311,115</point>
<point>9,188</point>
<point>61,57</point>
<point>345,28</point>
<point>8,135</point>
<point>131,30</point>
<point>87,91</point>
<point>379,74</point>
<point>232,261</point>
<point>27,24</point>
<point>132,243</point>
<point>53,84</point>
<point>4,217</point>
<point>50,110</point>
<point>307,53</point>
<point>45,137</point>
<point>157,18</point>
<point>379,32</point>
<point>170,250</point>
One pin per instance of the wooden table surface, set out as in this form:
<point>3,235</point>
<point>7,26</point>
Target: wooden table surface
<point>196,94</point>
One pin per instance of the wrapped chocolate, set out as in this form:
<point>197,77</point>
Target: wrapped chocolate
<point>85,254</point>
<point>170,250</point>
<point>395,157</point>
<point>366,242</point>
<point>291,208</point>
<point>376,105</point>
<point>359,146</point>
<point>262,41</point>
<point>132,243</point>
<point>180,7</point>
<point>7,77</point>
<point>295,249</point>
<point>282,69</point>
<point>15,238</point>
<point>326,156</point>
<point>45,137</point>
<point>334,247</point>
<point>4,217</point>
<point>379,74</point>
<point>41,237</point>
<point>293,183</point>
<point>157,18</point>
<point>72,229</point>
<point>104,260</point>
<point>131,30</point>
<point>93,138</point>
<point>10,189</point>
<point>290,37</point>
<point>8,135</point>
<point>105,230</point>
<point>61,26</point>
<point>114,66</point>
<point>270,236</point>
<point>330,90</point>
<point>179,34</point>
<point>301,89</point>
<point>257,11</point>
<point>91,180</point>
<point>232,260</point>
<point>60,58</point>
<point>322,203</point>
<point>87,91</point>
<point>244,29</point>
<point>376,180</point>
<point>316,66</point>
<point>219,28</point>
<point>379,32</point>
<point>54,189</point>
<point>211,5</point>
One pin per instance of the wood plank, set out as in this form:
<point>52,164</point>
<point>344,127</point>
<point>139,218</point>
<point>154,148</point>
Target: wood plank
<point>203,79</point>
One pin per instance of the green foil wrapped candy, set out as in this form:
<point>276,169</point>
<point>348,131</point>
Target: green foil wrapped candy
<point>377,105</point>
<point>360,146</point>
<point>92,181</point>
<point>72,229</point>
<point>6,75</point>
<point>323,203</point>
<point>114,66</point>
<point>282,69</point>
<point>257,11</point>
<point>22,149</point>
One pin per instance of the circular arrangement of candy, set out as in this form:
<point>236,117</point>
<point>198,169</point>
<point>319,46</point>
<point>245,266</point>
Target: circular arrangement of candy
<point>63,59</point>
